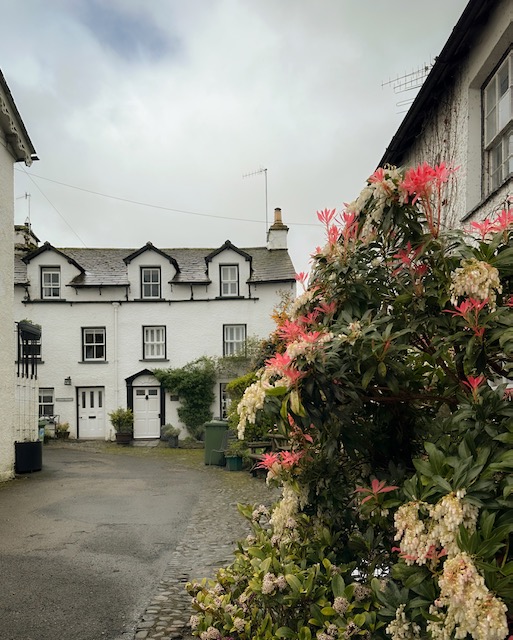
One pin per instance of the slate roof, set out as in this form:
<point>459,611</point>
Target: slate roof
<point>107,267</point>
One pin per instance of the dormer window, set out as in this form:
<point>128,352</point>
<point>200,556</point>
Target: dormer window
<point>50,282</point>
<point>229,280</point>
<point>498,124</point>
<point>150,283</point>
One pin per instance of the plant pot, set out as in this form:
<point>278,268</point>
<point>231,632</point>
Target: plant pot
<point>28,456</point>
<point>172,442</point>
<point>123,438</point>
<point>233,463</point>
<point>62,435</point>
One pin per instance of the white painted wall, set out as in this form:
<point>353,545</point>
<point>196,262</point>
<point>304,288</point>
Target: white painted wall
<point>7,332</point>
<point>194,329</point>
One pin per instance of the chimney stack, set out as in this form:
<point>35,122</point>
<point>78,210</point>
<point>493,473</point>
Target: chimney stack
<point>277,234</point>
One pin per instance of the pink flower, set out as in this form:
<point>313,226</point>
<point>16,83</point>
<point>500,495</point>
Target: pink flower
<point>326,216</point>
<point>290,331</point>
<point>268,460</point>
<point>377,486</point>
<point>473,382</point>
<point>469,310</point>
<point>504,220</point>
<point>302,278</point>
<point>484,228</point>
<point>289,459</point>
<point>424,184</point>
<point>279,361</point>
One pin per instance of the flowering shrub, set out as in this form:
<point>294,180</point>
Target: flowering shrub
<point>389,378</point>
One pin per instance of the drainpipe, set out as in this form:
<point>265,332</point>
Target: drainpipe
<point>116,306</point>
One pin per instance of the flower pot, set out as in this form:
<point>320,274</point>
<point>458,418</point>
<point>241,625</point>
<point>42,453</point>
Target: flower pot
<point>123,438</point>
<point>233,463</point>
<point>172,442</point>
<point>28,456</point>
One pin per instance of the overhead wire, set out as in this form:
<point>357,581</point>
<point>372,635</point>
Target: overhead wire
<point>153,206</point>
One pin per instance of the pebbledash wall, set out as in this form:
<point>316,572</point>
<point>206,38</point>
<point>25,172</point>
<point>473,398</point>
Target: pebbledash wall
<point>15,146</point>
<point>449,118</point>
<point>110,316</point>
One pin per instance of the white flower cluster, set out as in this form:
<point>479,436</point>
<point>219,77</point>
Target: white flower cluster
<point>298,306</point>
<point>283,518</point>
<point>401,628</point>
<point>470,607</point>
<point>210,634</point>
<point>448,514</point>
<point>475,279</point>
<point>307,349</point>
<point>194,622</point>
<point>239,624</point>
<point>353,332</point>
<point>375,197</point>
<point>271,582</point>
<point>251,402</point>
<point>420,538</point>
<point>340,605</point>
<point>259,512</point>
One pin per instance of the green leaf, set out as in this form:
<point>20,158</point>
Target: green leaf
<point>285,632</point>
<point>368,375</point>
<point>293,582</point>
<point>328,611</point>
<point>337,586</point>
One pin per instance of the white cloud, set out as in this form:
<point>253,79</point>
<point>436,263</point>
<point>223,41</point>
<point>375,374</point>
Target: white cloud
<point>172,102</point>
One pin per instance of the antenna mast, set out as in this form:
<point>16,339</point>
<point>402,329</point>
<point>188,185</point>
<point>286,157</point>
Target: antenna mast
<point>255,173</point>
<point>409,82</point>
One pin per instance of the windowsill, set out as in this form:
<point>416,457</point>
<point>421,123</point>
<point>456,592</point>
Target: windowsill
<point>49,300</point>
<point>38,362</point>
<point>230,298</point>
<point>484,200</point>
<point>149,300</point>
<point>154,360</point>
<point>93,362</point>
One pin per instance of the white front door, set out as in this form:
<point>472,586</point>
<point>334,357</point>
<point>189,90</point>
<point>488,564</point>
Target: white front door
<point>146,412</point>
<point>91,412</point>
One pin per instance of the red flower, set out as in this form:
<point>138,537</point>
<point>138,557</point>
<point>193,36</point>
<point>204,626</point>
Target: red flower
<point>377,486</point>
<point>326,216</point>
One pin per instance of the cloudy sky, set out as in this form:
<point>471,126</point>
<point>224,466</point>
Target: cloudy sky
<point>146,114</point>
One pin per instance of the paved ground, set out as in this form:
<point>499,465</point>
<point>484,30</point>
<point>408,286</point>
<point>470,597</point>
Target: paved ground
<point>98,545</point>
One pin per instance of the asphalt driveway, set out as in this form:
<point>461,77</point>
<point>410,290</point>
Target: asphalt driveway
<point>84,541</point>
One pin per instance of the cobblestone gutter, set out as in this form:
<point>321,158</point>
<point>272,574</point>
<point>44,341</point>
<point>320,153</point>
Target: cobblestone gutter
<point>214,527</point>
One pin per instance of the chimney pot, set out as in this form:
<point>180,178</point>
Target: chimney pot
<point>277,216</point>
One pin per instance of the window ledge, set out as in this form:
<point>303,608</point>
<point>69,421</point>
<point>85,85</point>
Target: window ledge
<point>154,360</point>
<point>93,362</point>
<point>230,298</point>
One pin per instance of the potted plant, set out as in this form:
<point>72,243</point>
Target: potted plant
<point>234,455</point>
<point>62,430</point>
<point>170,434</point>
<point>123,422</point>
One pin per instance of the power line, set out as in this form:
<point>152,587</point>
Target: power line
<point>52,205</point>
<point>154,206</point>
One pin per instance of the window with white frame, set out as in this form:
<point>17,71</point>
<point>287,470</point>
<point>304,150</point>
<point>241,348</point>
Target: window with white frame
<point>50,282</point>
<point>224,400</point>
<point>234,339</point>
<point>154,343</point>
<point>498,124</point>
<point>93,344</point>
<point>46,406</point>
<point>229,280</point>
<point>150,282</point>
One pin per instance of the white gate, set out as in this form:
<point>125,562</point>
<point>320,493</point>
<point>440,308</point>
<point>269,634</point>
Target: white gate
<point>146,412</point>
<point>91,412</point>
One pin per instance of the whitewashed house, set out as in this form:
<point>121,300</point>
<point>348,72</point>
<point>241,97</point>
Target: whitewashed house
<point>111,316</point>
<point>15,146</point>
<point>463,114</point>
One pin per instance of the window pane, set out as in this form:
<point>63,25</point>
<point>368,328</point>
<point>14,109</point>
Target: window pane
<point>91,396</point>
<point>100,399</point>
<point>490,126</point>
